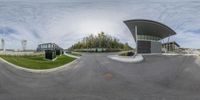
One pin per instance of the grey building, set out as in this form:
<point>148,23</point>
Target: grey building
<point>51,50</point>
<point>147,34</point>
<point>171,46</point>
<point>48,46</point>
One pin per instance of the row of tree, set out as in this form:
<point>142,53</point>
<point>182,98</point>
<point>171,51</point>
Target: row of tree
<point>100,41</point>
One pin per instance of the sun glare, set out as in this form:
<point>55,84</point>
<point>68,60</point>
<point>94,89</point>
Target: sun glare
<point>94,26</point>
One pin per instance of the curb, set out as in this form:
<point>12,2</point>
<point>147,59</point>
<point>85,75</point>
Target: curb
<point>132,59</point>
<point>71,55</point>
<point>39,70</point>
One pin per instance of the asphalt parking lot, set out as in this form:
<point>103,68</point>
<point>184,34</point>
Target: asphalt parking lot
<point>96,77</point>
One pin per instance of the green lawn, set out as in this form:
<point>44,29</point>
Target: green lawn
<point>37,61</point>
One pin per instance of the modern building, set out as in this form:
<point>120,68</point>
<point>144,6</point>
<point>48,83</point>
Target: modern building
<point>148,34</point>
<point>48,46</point>
<point>51,50</point>
<point>171,46</point>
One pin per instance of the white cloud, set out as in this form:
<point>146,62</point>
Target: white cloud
<point>188,39</point>
<point>65,21</point>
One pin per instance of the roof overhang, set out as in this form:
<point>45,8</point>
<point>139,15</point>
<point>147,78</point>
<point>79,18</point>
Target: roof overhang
<point>149,27</point>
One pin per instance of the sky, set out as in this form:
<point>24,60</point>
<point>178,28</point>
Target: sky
<point>65,22</point>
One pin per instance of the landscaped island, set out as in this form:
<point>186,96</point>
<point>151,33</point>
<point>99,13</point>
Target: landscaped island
<point>37,61</point>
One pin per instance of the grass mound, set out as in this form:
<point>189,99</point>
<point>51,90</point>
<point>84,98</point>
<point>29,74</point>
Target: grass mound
<point>37,61</point>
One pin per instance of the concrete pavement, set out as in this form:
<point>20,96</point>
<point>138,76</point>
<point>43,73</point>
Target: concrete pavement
<point>95,77</point>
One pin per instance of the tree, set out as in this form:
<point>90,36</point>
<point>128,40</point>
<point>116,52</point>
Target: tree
<point>100,41</point>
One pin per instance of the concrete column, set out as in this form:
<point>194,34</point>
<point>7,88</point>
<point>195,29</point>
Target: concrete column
<point>136,40</point>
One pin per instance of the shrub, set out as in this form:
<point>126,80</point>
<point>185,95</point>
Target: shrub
<point>130,53</point>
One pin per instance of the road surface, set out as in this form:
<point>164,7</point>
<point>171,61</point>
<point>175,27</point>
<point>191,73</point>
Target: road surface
<point>96,77</point>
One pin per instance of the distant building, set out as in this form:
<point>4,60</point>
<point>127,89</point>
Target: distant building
<point>51,50</point>
<point>171,46</point>
<point>147,34</point>
<point>24,43</point>
<point>48,46</point>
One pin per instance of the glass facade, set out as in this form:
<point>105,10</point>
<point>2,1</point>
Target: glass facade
<point>148,38</point>
<point>48,46</point>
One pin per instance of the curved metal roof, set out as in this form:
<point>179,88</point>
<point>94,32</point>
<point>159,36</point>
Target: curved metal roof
<point>149,27</point>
